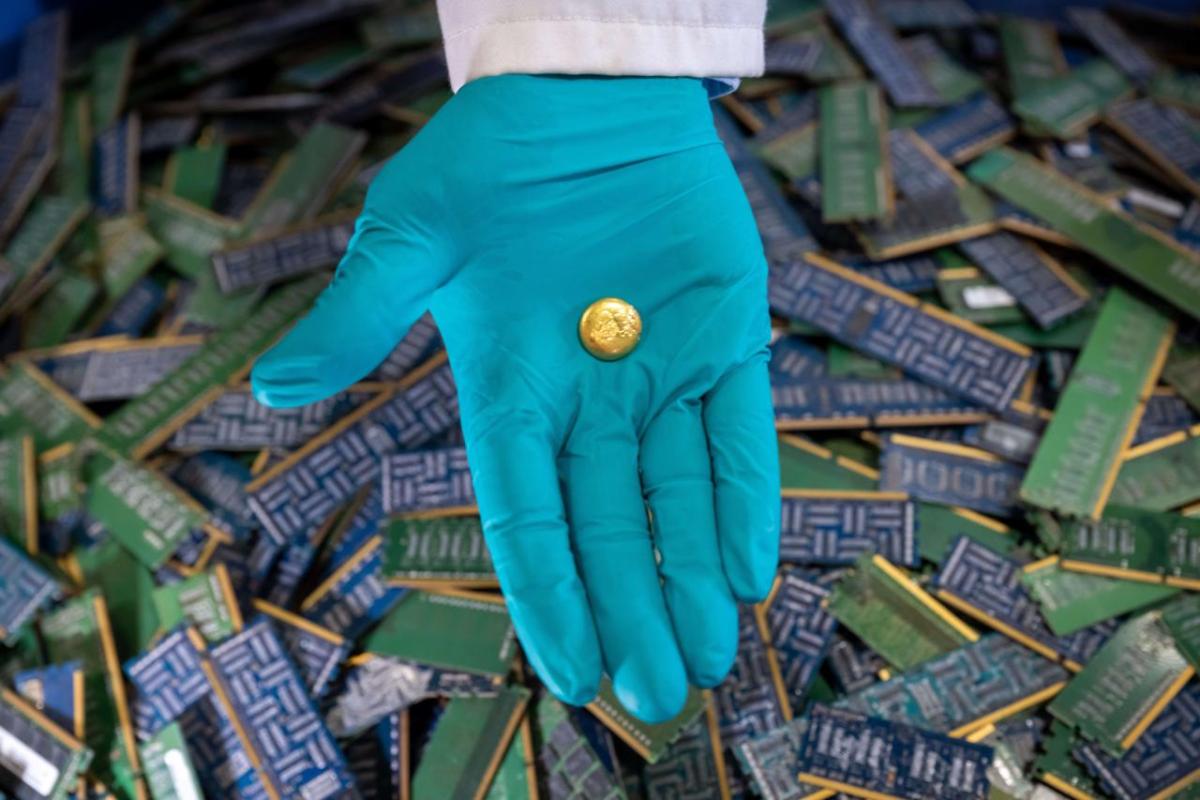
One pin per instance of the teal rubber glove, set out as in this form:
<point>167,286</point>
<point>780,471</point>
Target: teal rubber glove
<point>524,200</point>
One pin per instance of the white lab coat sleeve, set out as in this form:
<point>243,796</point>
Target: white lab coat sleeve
<point>719,39</point>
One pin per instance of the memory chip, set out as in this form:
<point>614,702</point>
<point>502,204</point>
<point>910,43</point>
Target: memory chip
<point>147,513</point>
<point>1164,267</point>
<point>847,402</point>
<point>268,695</point>
<point>1071,601</point>
<point>1163,761</point>
<point>467,745</point>
<point>41,760</point>
<point>423,549</point>
<point>1167,136</point>
<point>298,494</point>
<point>169,772</point>
<point>427,480</point>
<point>876,44</point>
<point>1125,686</point>
<point>830,527</point>
<point>1066,104</point>
<point>868,757</point>
<point>1136,545</point>
<point>25,589</point>
<point>752,699</point>
<point>856,181</point>
<point>801,631</point>
<point>284,255</point>
<point>456,630</point>
<point>1160,474</point>
<point>318,653</point>
<point>167,680</point>
<point>1113,42</point>
<point>897,328</point>
<point>987,587</point>
<point>963,690</point>
<point>950,474</point>
<point>1077,460</point>
<point>894,616</point>
<point>143,423</point>
<point>1039,283</point>
<point>1031,52</point>
<point>115,166</point>
<point>972,295</point>
<point>649,740</point>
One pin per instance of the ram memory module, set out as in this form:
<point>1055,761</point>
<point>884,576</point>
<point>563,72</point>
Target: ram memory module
<point>567,756</point>
<point>1065,105</point>
<point>57,691</point>
<point>1182,618</point>
<point>752,699</point>
<point>170,774</point>
<point>1108,37</point>
<point>168,679</point>
<point>1076,462</point>
<point>205,600</point>
<point>1045,290</point>
<point>894,616</point>
<point>950,474</point>
<point>436,549</point>
<point>1032,54</point>
<point>694,765</point>
<point>856,176</point>
<point>428,480</point>
<point>877,45</point>
<point>930,344</point>
<point>1162,763</point>
<point>284,255</point>
<point>32,403</point>
<point>1071,601</point>
<point>25,589</point>
<point>825,403</point>
<point>41,760</point>
<point>820,526</point>
<point>771,763</point>
<point>1163,266</point>
<point>872,758</point>
<point>1136,545</point>
<point>1125,686</point>
<point>801,630</point>
<point>963,131</point>
<point>972,295</point>
<point>1167,136</point>
<point>649,740</point>
<point>1160,474</point>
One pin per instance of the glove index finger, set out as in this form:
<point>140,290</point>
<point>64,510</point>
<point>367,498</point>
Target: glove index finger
<point>516,482</point>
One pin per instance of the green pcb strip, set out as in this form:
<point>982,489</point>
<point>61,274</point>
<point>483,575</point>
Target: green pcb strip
<point>194,173</point>
<point>145,512</point>
<point>60,309</point>
<point>128,588</point>
<point>168,767</point>
<point>44,230</point>
<point>204,601</point>
<point>128,252</point>
<point>1177,89</point>
<point>1161,474</point>
<point>304,180</point>
<point>1080,452</point>
<point>1032,54</point>
<point>1136,545</point>
<point>145,422</point>
<point>895,617</point>
<point>1071,601</point>
<point>30,401</point>
<point>1067,104</point>
<point>806,465</point>
<point>189,233</point>
<point>648,740</point>
<point>793,153</point>
<point>1131,248</point>
<point>1182,372</point>
<point>73,172</point>
<point>437,549</point>
<point>466,748</point>
<point>1125,685</point>
<point>112,64</point>
<point>462,631</point>
<point>856,182</point>
<point>1182,618</point>
<point>18,492</point>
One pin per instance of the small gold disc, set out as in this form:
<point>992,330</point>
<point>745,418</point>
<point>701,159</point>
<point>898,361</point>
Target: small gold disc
<point>610,328</point>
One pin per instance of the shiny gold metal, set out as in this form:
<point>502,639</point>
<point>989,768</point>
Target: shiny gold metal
<point>610,328</point>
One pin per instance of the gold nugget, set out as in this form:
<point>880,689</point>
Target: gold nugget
<point>610,328</point>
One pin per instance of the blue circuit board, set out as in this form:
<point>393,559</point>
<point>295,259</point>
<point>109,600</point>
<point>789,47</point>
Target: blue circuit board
<point>747,701</point>
<point>962,131</point>
<point>25,589</point>
<point>801,632</point>
<point>427,479</point>
<point>950,475</point>
<point>167,679</point>
<point>865,402</point>
<point>876,44</point>
<point>1041,287</point>
<point>845,749</point>
<point>826,529</point>
<point>953,356</point>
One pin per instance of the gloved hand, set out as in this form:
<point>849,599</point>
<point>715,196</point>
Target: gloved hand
<point>523,201</point>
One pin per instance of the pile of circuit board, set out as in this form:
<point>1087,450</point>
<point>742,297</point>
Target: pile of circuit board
<point>984,239</point>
